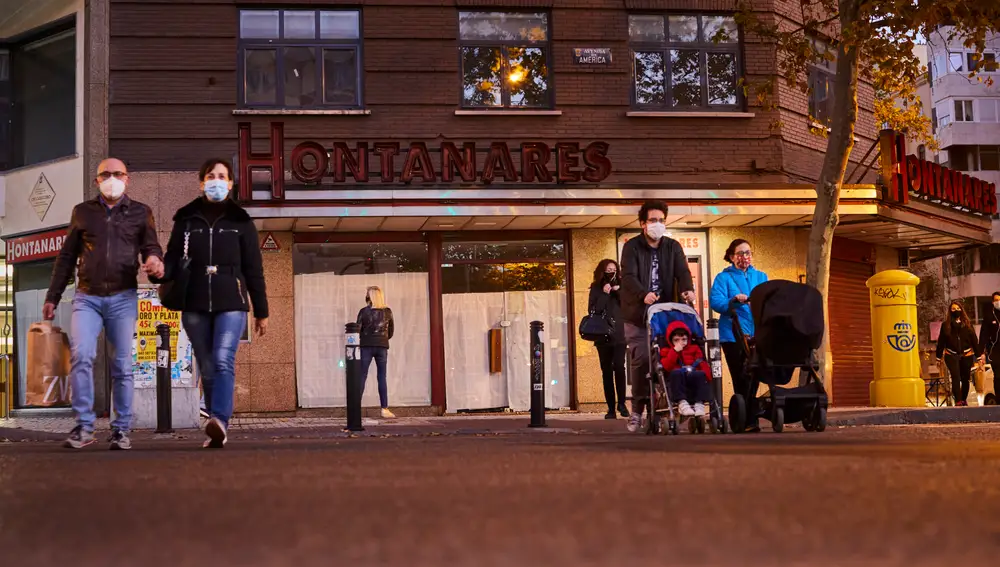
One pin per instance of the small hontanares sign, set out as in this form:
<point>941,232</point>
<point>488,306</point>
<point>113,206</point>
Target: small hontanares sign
<point>270,244</point>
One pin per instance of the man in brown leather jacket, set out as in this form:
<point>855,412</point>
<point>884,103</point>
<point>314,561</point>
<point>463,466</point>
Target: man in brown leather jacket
<point>106,237</point>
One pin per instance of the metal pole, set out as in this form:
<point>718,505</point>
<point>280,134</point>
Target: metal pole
<point>537,375</point>
<point>352,365</point>
<point>715,357</point>
<point>164,410</point>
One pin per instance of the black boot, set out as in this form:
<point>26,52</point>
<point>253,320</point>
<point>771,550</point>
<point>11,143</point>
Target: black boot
<point>611,414</point>
<point>623,410</point>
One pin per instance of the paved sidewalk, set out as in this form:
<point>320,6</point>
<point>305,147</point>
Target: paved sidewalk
<point>506,423</point>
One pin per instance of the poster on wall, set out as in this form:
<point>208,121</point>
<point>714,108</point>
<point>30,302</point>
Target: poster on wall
<point>151,314</point>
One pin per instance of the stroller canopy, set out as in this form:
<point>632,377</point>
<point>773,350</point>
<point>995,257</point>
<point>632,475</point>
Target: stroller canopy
<point>661,315</point>
<point>788,317</point>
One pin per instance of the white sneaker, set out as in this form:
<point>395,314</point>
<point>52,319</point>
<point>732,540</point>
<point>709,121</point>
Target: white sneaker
<point>634,422</point>
<point>386,414</point>
<point>699,410</point>
<point>216,433</point>
<point>684,408</point>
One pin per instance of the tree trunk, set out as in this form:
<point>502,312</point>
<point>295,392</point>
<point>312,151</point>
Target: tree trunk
<point>838,150</point>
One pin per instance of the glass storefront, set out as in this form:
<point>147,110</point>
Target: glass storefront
<point>31,283</point>
<point>331,280</point>
<point>494,290</point>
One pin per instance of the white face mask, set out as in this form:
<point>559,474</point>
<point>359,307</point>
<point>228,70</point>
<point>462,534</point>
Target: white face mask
<point>656,230</point>
<point>112,188</point>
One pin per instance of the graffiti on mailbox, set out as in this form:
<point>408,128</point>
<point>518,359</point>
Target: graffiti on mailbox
<point>889,293</point>
<point>903,340</point>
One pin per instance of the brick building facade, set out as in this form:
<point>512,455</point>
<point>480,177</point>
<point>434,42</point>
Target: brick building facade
<point>653,88</point>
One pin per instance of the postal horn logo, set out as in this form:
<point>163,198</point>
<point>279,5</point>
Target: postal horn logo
<point>903,340</point>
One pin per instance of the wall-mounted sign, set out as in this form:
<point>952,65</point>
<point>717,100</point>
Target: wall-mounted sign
<point>151,314</point>
<point>903,174</point>
<point>41,196</point>
<point>312,162</point>
<point>592,55</point>
<point>269,244</point>
<point>35,246</point>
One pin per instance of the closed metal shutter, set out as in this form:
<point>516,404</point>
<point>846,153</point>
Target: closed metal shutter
<point>850,332</point>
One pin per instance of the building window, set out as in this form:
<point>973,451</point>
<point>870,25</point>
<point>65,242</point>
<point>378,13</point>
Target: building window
<point>955,62</point>
<point>989,158</point>
<point>821,77</point>
<point>38,99</point>
<point>963,111</point>
<point>300,59</point>
<point>685,62</point>
<point>922,151</point>
<point>986,64</point>
<point>505,59</point>
<point>988,109</point>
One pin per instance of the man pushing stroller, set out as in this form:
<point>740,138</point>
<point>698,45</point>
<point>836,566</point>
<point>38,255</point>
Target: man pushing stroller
<point>688,374</point>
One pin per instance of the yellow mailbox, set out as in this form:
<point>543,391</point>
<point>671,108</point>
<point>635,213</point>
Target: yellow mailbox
<point>897,380</point>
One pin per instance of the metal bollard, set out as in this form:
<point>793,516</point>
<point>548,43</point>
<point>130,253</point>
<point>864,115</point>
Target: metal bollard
<point>164,393</point>
<point>537,375</point>
<point>352,365</point>
<point>715,357</point>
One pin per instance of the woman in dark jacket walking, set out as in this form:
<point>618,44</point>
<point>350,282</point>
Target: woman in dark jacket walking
<point>377,328</point>
<point>218,241</point>
<point>960,349</point>
<point>604,298</point>
<point>989,334</point>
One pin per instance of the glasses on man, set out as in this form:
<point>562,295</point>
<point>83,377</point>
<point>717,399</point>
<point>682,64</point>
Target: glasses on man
<point>105,175</point>
<point>744,254</point>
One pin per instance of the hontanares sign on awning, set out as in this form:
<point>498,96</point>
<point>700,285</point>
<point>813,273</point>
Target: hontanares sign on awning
<point>32,247</point>
<point>902,173</point>
<point>313,162</point>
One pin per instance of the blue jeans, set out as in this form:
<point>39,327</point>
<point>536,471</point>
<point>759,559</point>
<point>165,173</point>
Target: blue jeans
<point>116,314</point>
<point>215,338</point>
<point>381,356</point>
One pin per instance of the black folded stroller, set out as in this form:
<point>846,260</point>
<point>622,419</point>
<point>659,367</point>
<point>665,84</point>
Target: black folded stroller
<point>788,318</point>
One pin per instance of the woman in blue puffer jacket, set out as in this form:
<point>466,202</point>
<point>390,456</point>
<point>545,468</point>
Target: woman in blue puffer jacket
<point>731,289</point>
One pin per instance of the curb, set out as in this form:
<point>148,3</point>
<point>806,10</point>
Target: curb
<point>919,416</point>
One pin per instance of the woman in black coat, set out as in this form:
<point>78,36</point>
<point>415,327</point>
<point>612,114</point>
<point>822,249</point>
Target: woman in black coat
<point>958,344</point>
<point>604,298</point>
<point>218,241</point>
<point>989,334</point>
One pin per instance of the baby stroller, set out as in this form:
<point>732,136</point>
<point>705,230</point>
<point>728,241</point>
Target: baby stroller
<point>663,411</point>
<point>788,317</point>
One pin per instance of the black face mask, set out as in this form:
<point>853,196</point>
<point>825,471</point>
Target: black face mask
<point>956,315</point>
<point>610,277</point>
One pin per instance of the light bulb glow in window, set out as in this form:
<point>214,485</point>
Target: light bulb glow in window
<point>516,76</point>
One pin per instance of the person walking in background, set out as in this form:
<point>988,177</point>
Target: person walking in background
<point>107,235</point>
<point>606,299</point>
<point>731,293</point>
<point>958,347</point>
<point>989,333</point>
<point>651,263</point>
<point>377,328</point>
<point>216,242</point>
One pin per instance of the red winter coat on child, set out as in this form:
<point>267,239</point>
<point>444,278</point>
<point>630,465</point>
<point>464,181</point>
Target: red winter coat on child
<point>673,360</point>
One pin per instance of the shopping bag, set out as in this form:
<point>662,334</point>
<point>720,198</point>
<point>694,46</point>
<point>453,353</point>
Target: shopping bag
<point>979,378</point>
<point>48,366</point>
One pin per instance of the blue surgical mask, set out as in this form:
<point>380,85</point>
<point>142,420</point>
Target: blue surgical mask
<point>216,190</point>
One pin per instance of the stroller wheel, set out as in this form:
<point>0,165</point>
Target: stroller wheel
<point>692,425</point>
<point>819,424</point>
<point>778,420</point>
<point>673,427</point>
<point>699,424</point>
<point>737,413</point>
<point>713,425</point>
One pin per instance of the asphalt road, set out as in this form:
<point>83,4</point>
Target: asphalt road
<point>914,496</point>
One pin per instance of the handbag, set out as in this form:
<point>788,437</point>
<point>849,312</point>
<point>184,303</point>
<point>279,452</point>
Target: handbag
<point>173,294</point>
<point>597,327</point>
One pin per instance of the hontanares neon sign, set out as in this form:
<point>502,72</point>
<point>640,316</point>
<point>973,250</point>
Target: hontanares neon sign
<point>902,173</point>
<point>312,163</point>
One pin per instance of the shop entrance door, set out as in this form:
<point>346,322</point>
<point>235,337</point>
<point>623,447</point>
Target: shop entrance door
<point>488,308</point>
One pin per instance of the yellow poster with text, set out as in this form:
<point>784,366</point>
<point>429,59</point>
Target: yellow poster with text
<point>152,314</point>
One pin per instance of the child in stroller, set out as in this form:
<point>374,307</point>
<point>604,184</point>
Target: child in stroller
<point>688,375</point>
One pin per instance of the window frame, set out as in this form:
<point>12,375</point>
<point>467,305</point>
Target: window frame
<point>703,47</point>
<point>13,112</point>
<point>317,44</point>
<point>968,108</point>
<point>546,47</point>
